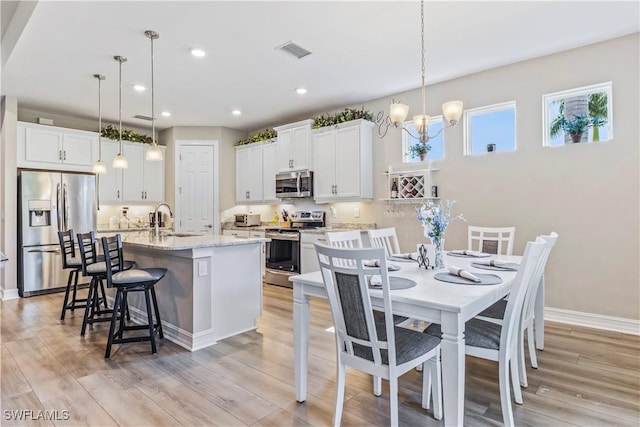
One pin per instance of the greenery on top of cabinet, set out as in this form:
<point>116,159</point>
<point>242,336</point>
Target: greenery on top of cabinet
<point>263,135</point>
<point>347,115</point>
<point>111,132</point>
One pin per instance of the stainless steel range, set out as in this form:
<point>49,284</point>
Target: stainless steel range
<point>283,251</point>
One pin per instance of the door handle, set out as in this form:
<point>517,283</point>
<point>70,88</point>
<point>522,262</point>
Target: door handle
<point>58,207</point>
<point>298,182</point>
<point>118,194</point>
<point>59,154</point>
<point>64,155</point>
<point>65,199</point>
<point>209,225</point>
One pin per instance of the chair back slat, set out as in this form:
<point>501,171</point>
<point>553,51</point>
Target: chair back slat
<point>513,312</point>
<point>493,240</point>
<point>344,239</point>
<point>347,283</point>
<point>67,247</point>
<point>385,238</point>
<point>113,258</point>
<point>87,249</point>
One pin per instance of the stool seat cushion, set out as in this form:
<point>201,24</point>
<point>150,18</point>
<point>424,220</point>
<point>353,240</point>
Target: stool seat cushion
<point>138,275</point>
<point>101,267</point>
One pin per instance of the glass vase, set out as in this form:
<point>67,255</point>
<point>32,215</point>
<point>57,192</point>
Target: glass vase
<point>439,245</point>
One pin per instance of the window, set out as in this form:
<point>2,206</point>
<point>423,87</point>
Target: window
<point>491,128</point>
<point>436,143</point>
<point>577,115</point>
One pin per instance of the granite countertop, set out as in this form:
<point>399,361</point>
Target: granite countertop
<point>181,241</point>
<point>343,226</point>
<point>104,228</point>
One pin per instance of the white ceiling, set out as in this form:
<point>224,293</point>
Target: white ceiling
<point>361,51</point>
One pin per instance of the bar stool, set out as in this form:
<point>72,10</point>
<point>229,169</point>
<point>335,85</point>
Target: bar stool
<point>95,267</point>
<point>70,261</point>
<point>133,280</point>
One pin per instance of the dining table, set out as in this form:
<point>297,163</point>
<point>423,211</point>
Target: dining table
<point>431,300</point>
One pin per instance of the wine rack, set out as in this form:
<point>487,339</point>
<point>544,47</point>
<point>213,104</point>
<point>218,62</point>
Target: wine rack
<point>413,185</point>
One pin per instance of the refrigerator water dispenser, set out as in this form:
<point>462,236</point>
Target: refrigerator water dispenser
<point>39,213</point>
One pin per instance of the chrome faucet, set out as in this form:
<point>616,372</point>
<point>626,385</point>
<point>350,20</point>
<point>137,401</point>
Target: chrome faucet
<point>155,215</point>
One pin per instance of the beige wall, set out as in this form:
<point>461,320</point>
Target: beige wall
<point>588,193</point>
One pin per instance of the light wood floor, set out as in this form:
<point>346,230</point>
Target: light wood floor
<point>586,377</point>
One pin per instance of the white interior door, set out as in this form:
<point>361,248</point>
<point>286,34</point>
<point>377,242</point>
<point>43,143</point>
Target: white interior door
<point>196,188</point>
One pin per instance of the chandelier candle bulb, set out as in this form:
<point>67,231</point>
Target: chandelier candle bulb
<point>398,113</point>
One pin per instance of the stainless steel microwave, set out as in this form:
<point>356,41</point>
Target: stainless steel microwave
<point>296,184</point>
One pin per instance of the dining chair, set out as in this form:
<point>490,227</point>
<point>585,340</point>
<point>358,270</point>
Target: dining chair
<point>499,342</point>
<point>378,348</point>
<point>495,313</point>
<point>385,238</point>
<point>493,240</point>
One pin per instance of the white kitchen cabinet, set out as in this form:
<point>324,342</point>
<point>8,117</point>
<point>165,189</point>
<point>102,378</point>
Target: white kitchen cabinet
<point>240,234</point>
<point>141,183</point>
<point>249,177</point>
<point>294,146</point>
<point>245,234</point>
<point>256,173</point>
<point>343,162</point>
<point>51,147</point>
<point>269,170</point>
<point>308,257</point>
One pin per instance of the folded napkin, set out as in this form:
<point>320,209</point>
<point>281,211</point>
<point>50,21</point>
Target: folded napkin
<point>372,263</point>
<point>457,271</point>
<point>408,255</point>
<point>468,252</point>
<point>497,263</point>
<point>375,281</point>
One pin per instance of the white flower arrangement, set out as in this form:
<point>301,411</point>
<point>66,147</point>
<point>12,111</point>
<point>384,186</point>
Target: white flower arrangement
<point>435,218</point>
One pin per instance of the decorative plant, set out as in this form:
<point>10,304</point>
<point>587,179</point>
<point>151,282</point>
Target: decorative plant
<point>347,115</point>
<point>264,135</point>
<point>419,150</point>
<point>574,127</point>
<point>111,132</point>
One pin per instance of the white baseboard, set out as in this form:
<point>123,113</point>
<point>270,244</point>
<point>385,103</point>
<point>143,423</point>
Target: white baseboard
<point>184,339</point>
<point>590,320</point>
<point>7,294</point>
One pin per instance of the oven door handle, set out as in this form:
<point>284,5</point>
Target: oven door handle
<point>295,237</point>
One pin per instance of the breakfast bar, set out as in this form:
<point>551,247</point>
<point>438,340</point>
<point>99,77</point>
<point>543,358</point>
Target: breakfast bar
<point>213,287</point>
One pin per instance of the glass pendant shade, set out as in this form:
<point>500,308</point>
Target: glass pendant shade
<point>154,153</point>
<point>452,111</point>
<point>99,167</point>
<point>120,162</point>
<point>421,122</point>
<point>398,113</point>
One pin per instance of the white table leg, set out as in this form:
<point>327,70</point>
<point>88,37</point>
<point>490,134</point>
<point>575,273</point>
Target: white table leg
<point>301,340</point>
<point>539,315</point>
<point>453,353</point>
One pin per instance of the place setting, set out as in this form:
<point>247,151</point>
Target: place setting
<point>395,283</point>
<point>468,253</point>
<point>460,276</point>
<point>404,257</point>
<point>496,265</point>
<point>376,263</point>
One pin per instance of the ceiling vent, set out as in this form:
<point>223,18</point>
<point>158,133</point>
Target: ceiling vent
<point>293,49</point>
<point>141,117</point>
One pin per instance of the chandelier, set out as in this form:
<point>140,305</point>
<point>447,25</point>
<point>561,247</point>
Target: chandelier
<point>451,110</point>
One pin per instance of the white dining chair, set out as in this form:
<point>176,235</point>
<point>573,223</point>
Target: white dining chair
<point>499,342</point>
<point>344,239</point>
<point>378,348</point>
<point>493,240</point>
<point>385,238</point>
<point>496,312</point>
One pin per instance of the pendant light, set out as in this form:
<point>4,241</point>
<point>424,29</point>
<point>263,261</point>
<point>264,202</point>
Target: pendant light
<point>120,162</point>
<point>153,152</point>
<point>99,166</point>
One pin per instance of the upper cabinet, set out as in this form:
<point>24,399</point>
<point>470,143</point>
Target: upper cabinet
<point>51,147</point>
<point>256,173</point>
<point>294,146</point>
<point>343,162</point>
<point>141,183</point>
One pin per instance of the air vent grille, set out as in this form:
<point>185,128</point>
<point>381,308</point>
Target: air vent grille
<point>294,49</point>
<point>141,117</point>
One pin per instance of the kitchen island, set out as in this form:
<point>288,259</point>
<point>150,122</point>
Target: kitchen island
<point>213,287</point>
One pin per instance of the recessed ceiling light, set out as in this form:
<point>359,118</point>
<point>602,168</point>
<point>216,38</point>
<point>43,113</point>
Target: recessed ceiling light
<point>198,53</point>
<point>166,114</point>
<point>139,88</point>
<point>236,112</point>
<point>301,91</point>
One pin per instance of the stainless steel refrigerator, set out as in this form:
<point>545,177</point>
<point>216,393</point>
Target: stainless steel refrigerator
<point>49,202</point>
